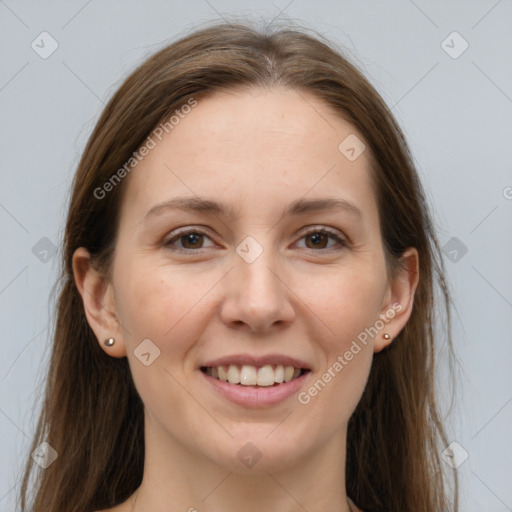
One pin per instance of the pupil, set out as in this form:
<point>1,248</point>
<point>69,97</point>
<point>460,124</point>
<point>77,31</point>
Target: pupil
<point>192,238</point>
<point>317,238</point>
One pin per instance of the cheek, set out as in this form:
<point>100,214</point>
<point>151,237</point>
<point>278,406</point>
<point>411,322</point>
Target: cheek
<point>164,310</point>
<point>348,304</point>
<point>154,304</point>
<point>346,301</point>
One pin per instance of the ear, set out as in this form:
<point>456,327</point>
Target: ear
<point>99,303</point>
<point>399,299</point>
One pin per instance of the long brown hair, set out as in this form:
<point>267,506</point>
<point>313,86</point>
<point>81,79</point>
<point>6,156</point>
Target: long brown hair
<point>92,414</point>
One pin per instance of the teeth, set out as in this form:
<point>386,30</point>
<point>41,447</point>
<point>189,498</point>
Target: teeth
<point>249,375</point>
<point>233,374</point>
<point>288,373</point>
<point>266,376</point>
<point>223,374</point>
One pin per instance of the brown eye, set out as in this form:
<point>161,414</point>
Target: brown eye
<point>319,239</point>
<point>188,240</point>
<point>191,240</point>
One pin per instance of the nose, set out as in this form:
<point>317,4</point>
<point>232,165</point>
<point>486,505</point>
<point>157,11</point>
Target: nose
<point>257,296</point>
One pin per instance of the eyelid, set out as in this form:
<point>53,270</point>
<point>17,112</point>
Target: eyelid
<point>341,239</point>
<point>179,232</point>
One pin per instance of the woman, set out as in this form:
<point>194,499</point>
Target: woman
<point>247,306</point>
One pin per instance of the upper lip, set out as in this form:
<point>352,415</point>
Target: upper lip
<point>253,360</point>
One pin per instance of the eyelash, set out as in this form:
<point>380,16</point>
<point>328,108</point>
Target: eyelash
<point>342,243</point>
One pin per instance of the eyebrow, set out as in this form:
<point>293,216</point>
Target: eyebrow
<point>212,207</point>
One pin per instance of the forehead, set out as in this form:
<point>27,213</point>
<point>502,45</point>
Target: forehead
<point>258,146</point>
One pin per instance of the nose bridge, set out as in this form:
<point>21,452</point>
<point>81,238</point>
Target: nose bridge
<point>258,282</point>
<point>257,293</point>
<point>259,278</point>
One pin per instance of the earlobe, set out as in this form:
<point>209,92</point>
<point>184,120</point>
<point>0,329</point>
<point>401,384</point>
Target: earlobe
<point>399,299</point>
<point>99,303</point>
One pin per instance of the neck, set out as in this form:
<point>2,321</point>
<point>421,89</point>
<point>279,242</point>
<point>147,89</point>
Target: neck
<point>178,479</point>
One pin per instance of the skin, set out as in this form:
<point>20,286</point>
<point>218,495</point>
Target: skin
<point>256,150</point>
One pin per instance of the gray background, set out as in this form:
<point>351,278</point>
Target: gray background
<point>456,113</point>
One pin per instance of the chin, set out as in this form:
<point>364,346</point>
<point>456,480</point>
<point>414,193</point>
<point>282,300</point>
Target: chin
<point>257,454</point>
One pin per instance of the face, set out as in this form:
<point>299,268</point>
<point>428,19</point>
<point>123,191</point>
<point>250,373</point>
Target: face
<point>282,267</point>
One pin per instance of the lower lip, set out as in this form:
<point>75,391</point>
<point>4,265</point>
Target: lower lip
<point>253,396</point>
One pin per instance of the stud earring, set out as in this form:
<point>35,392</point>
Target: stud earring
<point>386,336</point>
<point>109,342</point>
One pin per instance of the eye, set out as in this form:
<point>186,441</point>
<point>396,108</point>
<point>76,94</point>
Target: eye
<point>320,236</point>
<point>190,239</point>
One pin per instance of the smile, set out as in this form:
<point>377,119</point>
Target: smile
<point>249,375</point>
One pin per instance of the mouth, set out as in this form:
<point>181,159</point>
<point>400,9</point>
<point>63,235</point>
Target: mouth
<point>255,376</point>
